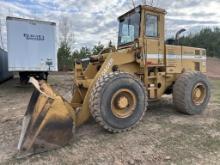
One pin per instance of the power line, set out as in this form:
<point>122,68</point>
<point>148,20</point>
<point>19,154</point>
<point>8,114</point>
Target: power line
<point>133,3</point>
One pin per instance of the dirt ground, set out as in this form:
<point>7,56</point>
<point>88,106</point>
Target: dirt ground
<point>165,136</point>
<point>213,67</point>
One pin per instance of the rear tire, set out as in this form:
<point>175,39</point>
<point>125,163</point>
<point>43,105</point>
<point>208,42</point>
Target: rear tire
<point>191,93</point>
<point>118,101</point>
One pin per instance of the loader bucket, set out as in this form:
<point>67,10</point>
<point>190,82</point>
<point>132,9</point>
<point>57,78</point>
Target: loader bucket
<point>48,123</point>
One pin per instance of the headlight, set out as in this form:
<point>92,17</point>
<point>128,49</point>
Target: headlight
<point>136,44</point>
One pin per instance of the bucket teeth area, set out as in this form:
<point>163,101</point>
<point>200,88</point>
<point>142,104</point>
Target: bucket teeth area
<point>48,122</point>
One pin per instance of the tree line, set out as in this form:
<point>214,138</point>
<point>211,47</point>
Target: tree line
<point>207,38</point>
<point>66,57</point>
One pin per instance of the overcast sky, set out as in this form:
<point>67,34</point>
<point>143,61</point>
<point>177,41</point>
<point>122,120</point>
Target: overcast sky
<point>96,20</point>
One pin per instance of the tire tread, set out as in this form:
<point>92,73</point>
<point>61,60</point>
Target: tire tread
<point>95,99</point>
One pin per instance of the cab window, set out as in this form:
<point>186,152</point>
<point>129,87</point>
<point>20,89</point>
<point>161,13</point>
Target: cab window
<point>151,26</point>
<point>129,27</point>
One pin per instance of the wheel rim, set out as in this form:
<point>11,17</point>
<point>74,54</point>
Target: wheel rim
<point>123,103</point>
<point>199,94</point>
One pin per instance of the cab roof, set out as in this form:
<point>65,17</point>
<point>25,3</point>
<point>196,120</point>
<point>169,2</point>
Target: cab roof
<point>147,8</point>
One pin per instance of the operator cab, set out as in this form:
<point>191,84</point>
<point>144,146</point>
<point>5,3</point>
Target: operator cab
<point>144,24</point>
<point>129,27</point>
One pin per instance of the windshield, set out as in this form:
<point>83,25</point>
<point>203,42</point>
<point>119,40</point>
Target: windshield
<point>129,28</point>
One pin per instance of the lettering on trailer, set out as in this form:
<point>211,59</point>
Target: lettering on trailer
<point>35,37</point>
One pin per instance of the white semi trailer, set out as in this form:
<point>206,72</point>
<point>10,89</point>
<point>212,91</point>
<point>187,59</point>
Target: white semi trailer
<point>31,47</point>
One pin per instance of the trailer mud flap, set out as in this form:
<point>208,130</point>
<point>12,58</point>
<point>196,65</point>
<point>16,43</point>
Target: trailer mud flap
<point>49,121</point>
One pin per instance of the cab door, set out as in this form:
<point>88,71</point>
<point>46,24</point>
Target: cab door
<point>154,39</point>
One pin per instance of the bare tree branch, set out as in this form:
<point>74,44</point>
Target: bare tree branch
<point>66,30</point>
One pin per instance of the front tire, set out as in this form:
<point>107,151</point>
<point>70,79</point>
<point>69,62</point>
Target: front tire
<point>118,101</point>
<point>191,93</point>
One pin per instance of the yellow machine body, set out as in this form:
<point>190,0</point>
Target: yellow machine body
<point>148,57</point>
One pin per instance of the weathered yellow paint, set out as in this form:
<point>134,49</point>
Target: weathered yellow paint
<point>156,64</point>
<point>156,73</point>
<point>110,60</point>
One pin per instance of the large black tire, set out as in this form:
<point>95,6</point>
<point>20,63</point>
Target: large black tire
<point>183,93</point>
<point>100,101</point>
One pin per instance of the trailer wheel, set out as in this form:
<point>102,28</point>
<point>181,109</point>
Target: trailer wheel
<point>191,93</point>
<point>23,78</point>
<point>118,101</point>
<point>42,76</point>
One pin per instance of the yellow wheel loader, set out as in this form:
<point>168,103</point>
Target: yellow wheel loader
<point>116,85</point>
